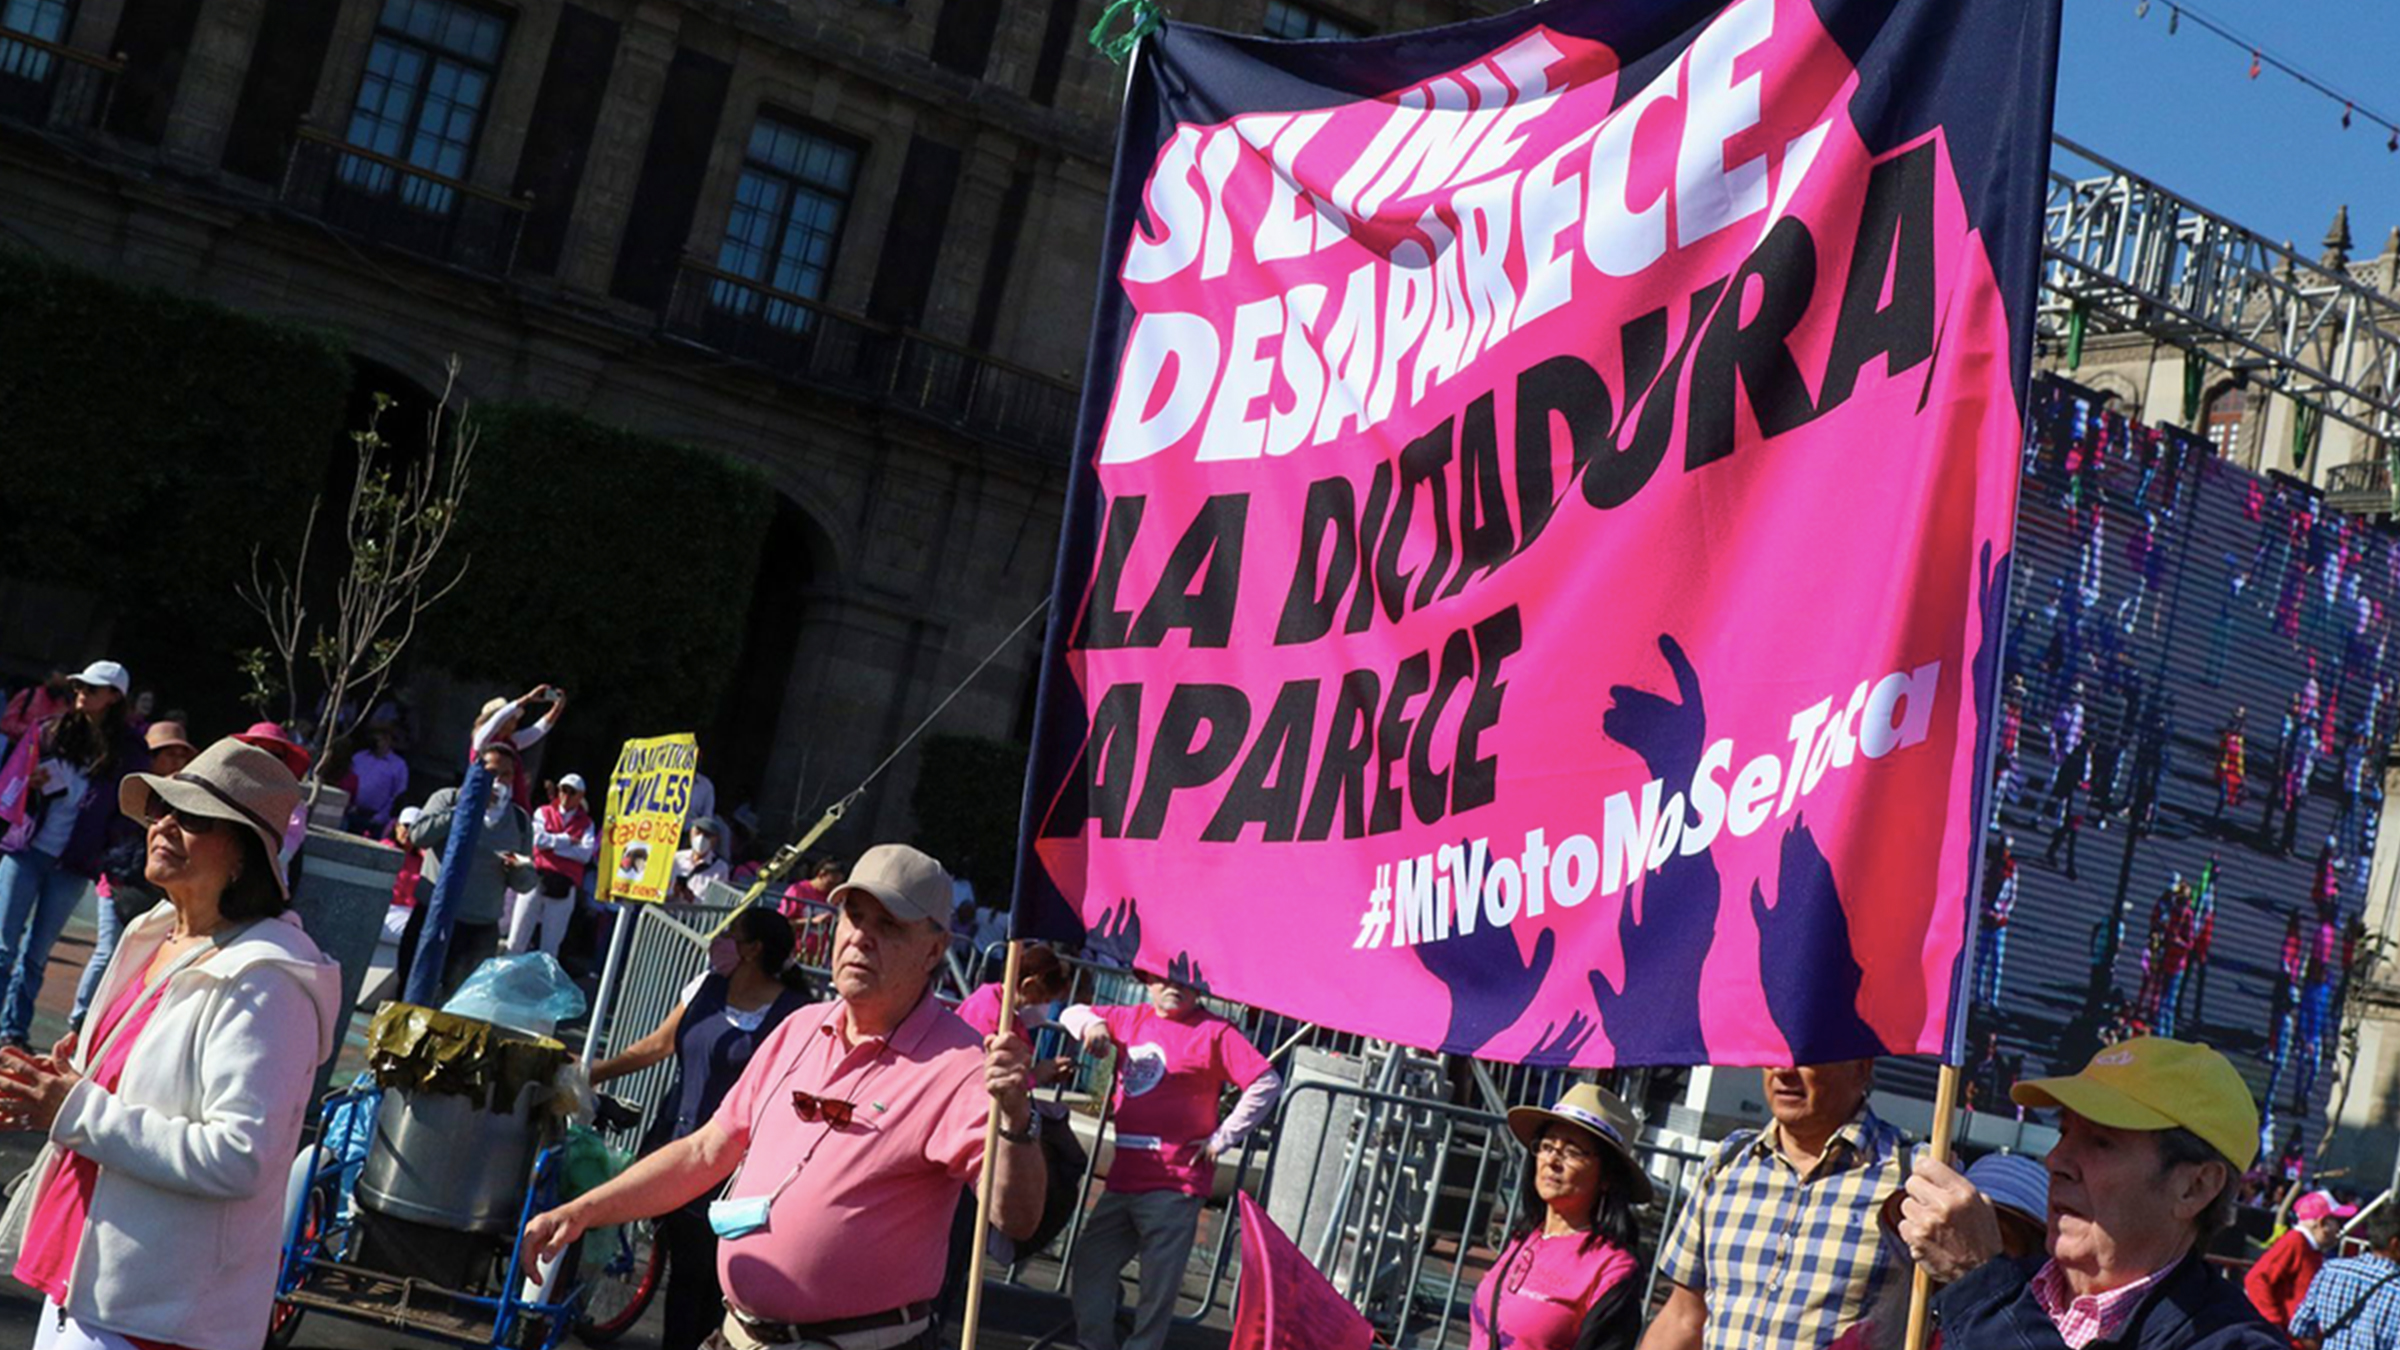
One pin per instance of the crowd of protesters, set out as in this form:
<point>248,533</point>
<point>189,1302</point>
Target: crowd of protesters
<point>208,1009</point>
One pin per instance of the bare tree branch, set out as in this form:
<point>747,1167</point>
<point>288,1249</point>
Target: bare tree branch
<point>395,523</point>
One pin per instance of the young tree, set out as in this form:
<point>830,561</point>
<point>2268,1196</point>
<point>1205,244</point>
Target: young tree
<point>394,525</point>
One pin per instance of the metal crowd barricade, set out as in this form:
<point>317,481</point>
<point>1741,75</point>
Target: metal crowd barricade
<point>1404,1204</point>
<point>1398,1191</point>
<point>1422,1196</point>
<point>669,948</point>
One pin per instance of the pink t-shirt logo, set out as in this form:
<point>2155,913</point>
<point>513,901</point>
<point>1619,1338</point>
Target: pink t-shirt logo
<point>1168,1077</point>
<point>1145,1068</point>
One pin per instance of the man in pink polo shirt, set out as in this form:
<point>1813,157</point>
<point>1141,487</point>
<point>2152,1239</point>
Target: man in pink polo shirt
<point>1175,1056</point>
<point>839,1154</point>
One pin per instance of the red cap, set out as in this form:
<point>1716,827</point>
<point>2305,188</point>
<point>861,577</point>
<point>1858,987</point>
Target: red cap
<point>269,737</point>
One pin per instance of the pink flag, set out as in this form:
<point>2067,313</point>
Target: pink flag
<point>1283,1302</point>
<point>1532,577</point>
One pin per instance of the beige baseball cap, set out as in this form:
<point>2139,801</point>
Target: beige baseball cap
<point>905,880</point>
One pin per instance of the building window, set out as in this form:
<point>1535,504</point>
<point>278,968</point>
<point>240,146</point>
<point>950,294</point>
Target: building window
<point>45,20</point>
<point>787,217</point>
<point>422,98</point>
<point>1291,21</point>
<point>2223,420</point>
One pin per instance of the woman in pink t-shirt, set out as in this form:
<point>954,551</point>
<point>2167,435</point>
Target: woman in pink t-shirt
<point>1042,979</point>
<point>1568,1277</point>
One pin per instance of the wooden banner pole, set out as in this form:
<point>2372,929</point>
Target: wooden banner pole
<point>983,1181</point>
<point>1945,1114</point>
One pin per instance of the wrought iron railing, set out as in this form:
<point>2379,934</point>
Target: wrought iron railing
<point>391,201</point>
<point>2362,487</point>
<point>817,344</point>
<point>56,88</point>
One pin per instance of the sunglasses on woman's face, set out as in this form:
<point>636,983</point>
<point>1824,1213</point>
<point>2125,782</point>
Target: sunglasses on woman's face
<point>159,812</point>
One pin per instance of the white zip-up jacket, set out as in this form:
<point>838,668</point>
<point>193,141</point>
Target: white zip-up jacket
<point>185,1234</point>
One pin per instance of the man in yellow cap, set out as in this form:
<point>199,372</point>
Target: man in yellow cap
<point>2153,1137</point>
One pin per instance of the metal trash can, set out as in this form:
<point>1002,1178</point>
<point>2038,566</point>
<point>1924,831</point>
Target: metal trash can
<point>466,1110</point>
<point>443,1160</point>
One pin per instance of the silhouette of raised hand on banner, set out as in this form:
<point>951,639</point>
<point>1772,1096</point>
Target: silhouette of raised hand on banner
<point>1655,1018</point>
<point>1185,971</point>
<point>1558,1044</point>
<point>1118,935</point>
<point>1491,983</point>
<point>1805,963</point>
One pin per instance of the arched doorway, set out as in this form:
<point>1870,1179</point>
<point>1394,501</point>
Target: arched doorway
<point>404,420</point>
<point>741,743</point>
<point>402,425</point>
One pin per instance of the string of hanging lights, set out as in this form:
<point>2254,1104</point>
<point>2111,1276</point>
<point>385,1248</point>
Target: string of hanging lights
<point>2262,59</point>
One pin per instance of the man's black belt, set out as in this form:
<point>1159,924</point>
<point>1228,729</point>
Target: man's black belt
<point>785,1333</point>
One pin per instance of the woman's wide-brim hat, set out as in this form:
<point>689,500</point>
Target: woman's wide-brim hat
<point>230,781</point>
<point>1598,1113</point>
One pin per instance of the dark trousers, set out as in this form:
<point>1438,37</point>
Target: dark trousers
<point>694,1305</point>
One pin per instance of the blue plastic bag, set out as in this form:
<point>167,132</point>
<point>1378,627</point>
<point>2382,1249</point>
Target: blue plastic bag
<point>529,993</point>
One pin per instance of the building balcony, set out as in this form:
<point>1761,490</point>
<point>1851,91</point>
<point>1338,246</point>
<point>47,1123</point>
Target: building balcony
<point>2362,488</point>
<point>815,344</point>
<point>54,88</point>
<point>401,205</point>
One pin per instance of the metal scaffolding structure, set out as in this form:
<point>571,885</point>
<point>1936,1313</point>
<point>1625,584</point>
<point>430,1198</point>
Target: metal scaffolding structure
<point>2122,254</point>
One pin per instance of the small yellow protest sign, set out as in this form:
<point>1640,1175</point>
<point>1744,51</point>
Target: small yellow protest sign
<point>648,797</point>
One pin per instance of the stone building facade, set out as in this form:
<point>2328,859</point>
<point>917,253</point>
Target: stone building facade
<point>850,241</point>
<point>2162,384</point>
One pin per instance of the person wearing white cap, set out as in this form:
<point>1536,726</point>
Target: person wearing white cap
<point>700,862</point>
<point>64,779</point>
<point>564,841</point>
<point>408,881</point>
<point>883,1096</point>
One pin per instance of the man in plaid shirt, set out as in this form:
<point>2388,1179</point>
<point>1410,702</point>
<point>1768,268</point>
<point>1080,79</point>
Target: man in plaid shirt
<point>2354,1304</point>
<point>1778,1247</point>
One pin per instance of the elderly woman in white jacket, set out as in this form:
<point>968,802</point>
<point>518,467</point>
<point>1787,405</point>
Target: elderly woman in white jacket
<point>155,1214</point>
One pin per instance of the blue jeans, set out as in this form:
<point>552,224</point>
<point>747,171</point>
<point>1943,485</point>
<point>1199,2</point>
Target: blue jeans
<point>104,947</point>
<point>1991,949</point>
<point>36,896</point>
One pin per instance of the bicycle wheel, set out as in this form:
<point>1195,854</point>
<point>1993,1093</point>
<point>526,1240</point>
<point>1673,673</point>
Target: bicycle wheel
<point>284,1322</point>
<point>619,1288</point>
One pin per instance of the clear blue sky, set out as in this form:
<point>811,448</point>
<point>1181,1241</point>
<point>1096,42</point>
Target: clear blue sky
<point>2269,153</point>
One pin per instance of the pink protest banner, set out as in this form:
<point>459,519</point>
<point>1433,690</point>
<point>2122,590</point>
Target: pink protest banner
<point>1534,560</point>
<point>1283,1302</point>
